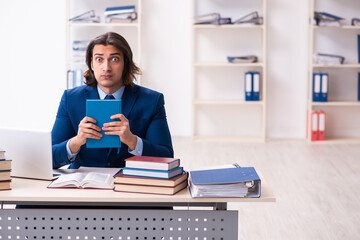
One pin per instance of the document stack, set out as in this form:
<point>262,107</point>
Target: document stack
<point>317,125</point>
<point>327,19</point>
<point>355,22</point>
<point>86,17</point>
<point>328,59</point>
<point>212,18</point>
<point>75,78</point>
<point>121,14</point>
<point>152,175</point>
<point>5,170</point>
<point>225,182</point>
<point>251,18</point>
<point>252,86</point>
<point>242,59</point>
<point>320,87</point>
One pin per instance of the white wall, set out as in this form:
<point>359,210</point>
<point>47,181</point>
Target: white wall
<point>33,54</point>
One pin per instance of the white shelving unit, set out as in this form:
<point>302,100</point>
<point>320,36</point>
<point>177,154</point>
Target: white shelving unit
<point>342,108</point>
<point>88,31</point>
<point>220,111</point>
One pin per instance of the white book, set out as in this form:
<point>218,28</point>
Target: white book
<point>84,180</point>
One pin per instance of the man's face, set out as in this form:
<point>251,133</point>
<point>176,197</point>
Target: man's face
<point>108,65</point>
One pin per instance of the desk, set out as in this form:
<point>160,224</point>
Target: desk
<point>100,222</point>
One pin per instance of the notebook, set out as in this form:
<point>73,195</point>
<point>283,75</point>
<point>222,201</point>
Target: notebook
<point>30,151</point>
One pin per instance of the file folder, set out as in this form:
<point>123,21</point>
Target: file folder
<point>314,126</point>
<point>321,135</point>
<point>324,87</point>
<point>248,86</point>
<point>256,86</point>
<point>316,87</point>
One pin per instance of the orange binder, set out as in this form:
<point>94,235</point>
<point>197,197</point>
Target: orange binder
<point>314,126</point>
<point>321,135</point>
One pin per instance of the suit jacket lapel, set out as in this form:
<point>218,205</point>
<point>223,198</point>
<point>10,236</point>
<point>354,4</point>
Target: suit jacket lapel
<point>128,99</point>
<point>91,93</point>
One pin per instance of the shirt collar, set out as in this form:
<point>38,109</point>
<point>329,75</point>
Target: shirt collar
<point>118,94</point>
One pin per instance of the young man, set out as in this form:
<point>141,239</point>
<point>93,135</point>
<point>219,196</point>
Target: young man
<point>142,129</point>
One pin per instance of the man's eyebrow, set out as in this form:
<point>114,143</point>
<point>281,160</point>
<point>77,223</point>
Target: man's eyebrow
<point>111,54</point>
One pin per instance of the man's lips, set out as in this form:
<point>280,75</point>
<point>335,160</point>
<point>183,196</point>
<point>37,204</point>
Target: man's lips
<point>106,76</point>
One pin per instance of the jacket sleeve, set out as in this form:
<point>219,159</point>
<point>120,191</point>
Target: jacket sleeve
<point>62,131</point>
<point>157,141</point>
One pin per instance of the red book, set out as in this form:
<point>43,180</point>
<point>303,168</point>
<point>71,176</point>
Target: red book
<point>153,163</point>
<point>321,135</point>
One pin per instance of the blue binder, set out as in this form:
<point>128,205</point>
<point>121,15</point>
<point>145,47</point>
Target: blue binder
<point>324,86</point>
<point>359,86</point>
<point>316,87</point>
<point>101,111</point>
<point>256,86</point>
<point>248,84</point>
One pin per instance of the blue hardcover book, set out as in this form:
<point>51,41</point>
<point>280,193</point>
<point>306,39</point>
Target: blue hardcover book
<point>224,182</point>
<point>101,111</point>
<point>248,84</point>
<point>256,86</point>
<point>152,173</point>
<point>324,87</point>
<point>316,87</point>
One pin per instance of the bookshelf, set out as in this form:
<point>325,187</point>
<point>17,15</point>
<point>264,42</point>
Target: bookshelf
<point>220,111</point>
<point>342,107</point>
<point>80,31</point>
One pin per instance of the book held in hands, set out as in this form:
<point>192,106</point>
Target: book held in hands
<point>84,180</point>
<point>155,163</point>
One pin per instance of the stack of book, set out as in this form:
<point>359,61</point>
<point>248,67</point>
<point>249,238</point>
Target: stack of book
<point>153,175</point>
<point>121,14</point>
<point>327,19</point>
<point>5,170</point>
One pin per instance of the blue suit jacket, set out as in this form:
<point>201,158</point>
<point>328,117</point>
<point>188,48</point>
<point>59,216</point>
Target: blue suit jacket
<point>144,108</point>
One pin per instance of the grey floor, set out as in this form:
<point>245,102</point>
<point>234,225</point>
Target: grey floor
<point>317,186</point>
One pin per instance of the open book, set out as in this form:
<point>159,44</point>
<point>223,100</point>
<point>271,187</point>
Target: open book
<point>84,180</point>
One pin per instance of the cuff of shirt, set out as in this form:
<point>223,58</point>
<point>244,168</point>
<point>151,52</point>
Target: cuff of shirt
<point>138,149</point>
<point>71,156</point>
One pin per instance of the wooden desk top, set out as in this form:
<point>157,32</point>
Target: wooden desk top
<point>28,190</point>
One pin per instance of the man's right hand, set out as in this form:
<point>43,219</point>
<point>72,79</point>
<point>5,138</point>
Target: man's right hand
<point>87,129</point>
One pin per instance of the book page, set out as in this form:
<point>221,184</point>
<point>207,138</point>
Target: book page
<point>98,180</point>
<point>72,179</point>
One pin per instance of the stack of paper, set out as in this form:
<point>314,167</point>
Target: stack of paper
<point>225,182</point>
<point>242,59</point>
<point>121,14</point>
<point>86,17</point>
<point>327,19</point>
<point>212,18</point>
<point>328,59</point>
<point>355,22</point>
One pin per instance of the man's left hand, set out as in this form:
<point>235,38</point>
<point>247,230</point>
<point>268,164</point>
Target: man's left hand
<point>122,129</point>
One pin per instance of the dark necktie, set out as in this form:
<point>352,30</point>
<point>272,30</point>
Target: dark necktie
<point>109,97</point>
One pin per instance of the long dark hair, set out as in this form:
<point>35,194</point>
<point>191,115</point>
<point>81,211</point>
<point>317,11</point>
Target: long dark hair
<point>116,40</point>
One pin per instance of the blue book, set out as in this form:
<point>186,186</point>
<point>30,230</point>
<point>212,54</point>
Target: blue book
<point>324,87</point>
<point>101,111</point>
<point>152,173</point>
<point>316,87</point>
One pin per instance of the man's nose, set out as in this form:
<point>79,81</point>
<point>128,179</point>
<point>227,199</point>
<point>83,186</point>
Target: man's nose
<point>106,65</point>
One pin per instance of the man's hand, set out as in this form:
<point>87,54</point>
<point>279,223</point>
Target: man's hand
<point>122,129</point>
<point>87,129</point>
